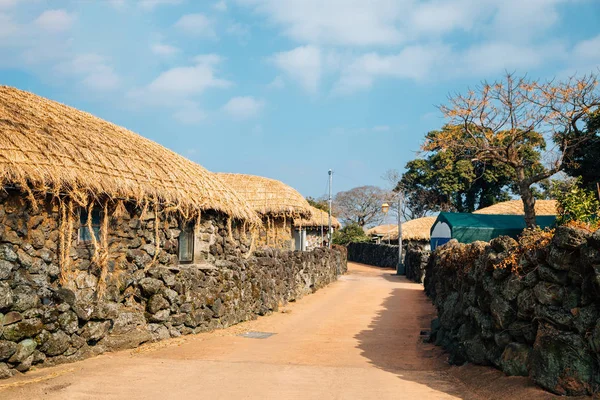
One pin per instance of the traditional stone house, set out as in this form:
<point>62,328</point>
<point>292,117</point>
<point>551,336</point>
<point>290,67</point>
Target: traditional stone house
<point>98,229</point>
<point>277,204</point>
<point>415,232</point>
<point>312,232</point>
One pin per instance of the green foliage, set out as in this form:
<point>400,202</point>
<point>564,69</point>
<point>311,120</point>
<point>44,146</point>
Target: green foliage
<point>352,233</point>
<point>320,203</point>
<point>449,179</point>
<point>585,161</point>
<point>576,203</point>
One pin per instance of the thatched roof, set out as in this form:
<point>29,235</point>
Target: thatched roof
<point>416,229</point>
<point>47,146</point>
<point>268,196</point>
<point>319,218</point>
<point>515,207</point>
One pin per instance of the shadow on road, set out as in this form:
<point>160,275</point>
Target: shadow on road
<point>393,343</point>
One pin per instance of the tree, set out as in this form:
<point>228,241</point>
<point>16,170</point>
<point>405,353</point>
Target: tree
<point>415,202</point>
<point>361,205</point>
<point>352,233</point>
<point>506,121</point>
<point>447,180</point>
<point>321,203</point>
<point>585,162</point>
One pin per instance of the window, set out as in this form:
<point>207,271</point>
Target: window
<point>186,245</point>
<point>85,235</point>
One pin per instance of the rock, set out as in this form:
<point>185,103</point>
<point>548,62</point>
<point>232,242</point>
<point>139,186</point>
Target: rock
<point>512,288</point>
<point>64,295</point>
<point>561,259</point>
<point>552,275</point>
<point>12,317</point>
<point>130,340</point>
<point>68,322</point>
<point>24,259</point>
<point>127,321</point>
<point>594,240</point>
<point>56,344</point>
<point>585,318</point>
<point>37,239</point>
<point>5,371</point>
<point>217,308</point>
<point>38,357</point>
<point>160,316</point>
<point>25,298</point>
<point>6,296</point>
<point>6,268</point>
<point>7,253</point>
<point>560,362</point>
<point>26,328</point>
<point>95,330</point>
<point>503,244</point>
<point>549,293</point>
<point>86,280</point>
<point>502,312</point>
<point>569,238</point>
<point>526,304</point>
<point>25,348</point>
<point>150,286</point>
<point>25,364</point>
<point>7,349</point>
<point>515,359</point>
<point>156,303</point>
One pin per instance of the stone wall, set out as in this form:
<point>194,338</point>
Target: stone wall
<point>541,320</point>
<point>138,294</point>
<point>379,255</point>
<point>415,261</point>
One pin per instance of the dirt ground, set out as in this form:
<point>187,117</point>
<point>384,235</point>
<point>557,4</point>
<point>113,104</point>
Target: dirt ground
<point>359,338</point>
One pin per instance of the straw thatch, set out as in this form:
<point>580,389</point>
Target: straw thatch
<point>47,146</point>
<point>515,207</point>
<point>416,229</point>
<point>268,196</point>
<point>319,218</point>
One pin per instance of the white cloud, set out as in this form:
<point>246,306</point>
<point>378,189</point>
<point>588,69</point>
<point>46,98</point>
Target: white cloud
<point>220,6</point>
<point>303,64</point>
<point>151,4</point>
<point>413,62</point>
<point>243,107</point>
<point>93,70</point>
<point>196,25</point>
<point>588,49</point>
<point>276,83</point>
<point>55,20</point>
<point>342,22</point>
<point>164,50</point>
<point>189,113</point>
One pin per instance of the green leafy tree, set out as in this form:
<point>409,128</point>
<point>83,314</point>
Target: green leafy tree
<point>352,233</point>
<point>585,161</point>
<point>448,180</point>
<point>507,121</point>
<point>320,203</point>
<point>576,203</point>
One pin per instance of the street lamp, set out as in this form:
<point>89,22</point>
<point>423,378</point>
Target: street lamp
<point>385,207</point>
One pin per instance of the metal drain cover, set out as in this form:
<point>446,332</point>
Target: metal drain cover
<point>257,335</point>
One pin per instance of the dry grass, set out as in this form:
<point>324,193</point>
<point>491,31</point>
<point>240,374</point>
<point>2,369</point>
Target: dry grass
<point>46,146</point>
<point>319,218</point>
<point>515,207</point>
<point>268,196</point>
<point>416,229</point>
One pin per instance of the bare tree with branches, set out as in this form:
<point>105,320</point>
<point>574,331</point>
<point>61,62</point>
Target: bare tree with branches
<point>507,120</point>
<point>360,205</point>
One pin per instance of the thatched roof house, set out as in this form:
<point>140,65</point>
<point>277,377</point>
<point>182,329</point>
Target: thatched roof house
<point>515,207</point>
<point>46,146</point>
<point>319,219</point>
<point>268,196</point>
<point>416,230</point>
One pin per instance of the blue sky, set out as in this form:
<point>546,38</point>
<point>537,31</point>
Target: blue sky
<point>287,88</point>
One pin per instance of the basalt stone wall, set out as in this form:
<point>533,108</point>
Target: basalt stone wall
<point>139,295</point>
<point>415,261</point>
<point>379,255</point>
<point>541,321</point>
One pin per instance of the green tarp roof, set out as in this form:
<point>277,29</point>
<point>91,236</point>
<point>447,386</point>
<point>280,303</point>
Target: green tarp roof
<point>467,228</point>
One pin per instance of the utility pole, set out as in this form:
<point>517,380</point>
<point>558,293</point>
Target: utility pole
<point>330,202</point>
<point>400,267</point>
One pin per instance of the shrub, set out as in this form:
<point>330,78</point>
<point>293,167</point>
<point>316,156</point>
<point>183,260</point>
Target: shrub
<point>352,233</point>
<point>576,205</point>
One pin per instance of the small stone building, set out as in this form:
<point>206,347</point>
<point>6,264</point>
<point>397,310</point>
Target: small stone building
<point>312,232</point>
<point>277,204</point>
<point>415,232</point>
<point>102,231</point>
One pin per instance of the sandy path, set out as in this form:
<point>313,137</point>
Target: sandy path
<point>356,339</point>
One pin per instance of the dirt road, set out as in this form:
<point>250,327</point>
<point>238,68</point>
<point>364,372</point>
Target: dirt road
<point>356,339</point>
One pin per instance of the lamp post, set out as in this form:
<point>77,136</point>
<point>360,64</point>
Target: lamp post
<point>385,208</point>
